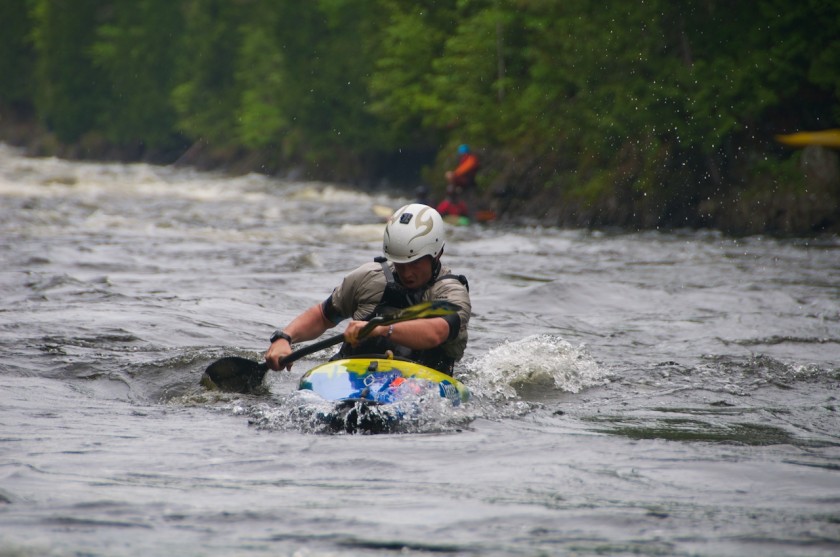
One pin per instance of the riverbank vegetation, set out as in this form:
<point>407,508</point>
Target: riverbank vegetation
<point>635,115</point>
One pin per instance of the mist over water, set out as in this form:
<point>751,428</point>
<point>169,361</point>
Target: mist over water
<point>640,393</point>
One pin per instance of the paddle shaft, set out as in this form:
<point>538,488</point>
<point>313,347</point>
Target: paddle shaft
<point>306,350</point>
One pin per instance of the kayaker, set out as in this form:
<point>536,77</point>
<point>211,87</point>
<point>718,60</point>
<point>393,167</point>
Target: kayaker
<point>462,178</point>
<point>410,272</point>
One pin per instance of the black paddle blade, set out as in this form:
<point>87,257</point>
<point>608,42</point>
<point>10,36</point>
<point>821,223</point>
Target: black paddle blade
<point>234,374</point>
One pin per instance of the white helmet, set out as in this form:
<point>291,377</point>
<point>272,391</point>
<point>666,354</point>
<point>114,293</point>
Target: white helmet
<point>412,232</point>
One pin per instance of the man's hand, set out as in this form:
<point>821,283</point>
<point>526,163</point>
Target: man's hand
<point>351,333</point>
<point>278,350</point>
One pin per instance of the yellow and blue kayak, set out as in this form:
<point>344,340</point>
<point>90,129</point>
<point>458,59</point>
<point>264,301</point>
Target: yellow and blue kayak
<point>380,380</point>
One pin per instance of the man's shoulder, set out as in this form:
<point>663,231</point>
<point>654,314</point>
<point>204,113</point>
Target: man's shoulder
<point>446,270</point>
<point>365,271</point>
<point>361,287</point>
<point>454,288</point>
<point>370,266</point>
<point>447,275</point>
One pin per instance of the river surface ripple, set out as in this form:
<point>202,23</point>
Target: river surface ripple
<point>633,394</point>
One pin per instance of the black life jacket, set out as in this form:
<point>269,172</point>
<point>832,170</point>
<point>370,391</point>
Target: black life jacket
<point>395,297</point>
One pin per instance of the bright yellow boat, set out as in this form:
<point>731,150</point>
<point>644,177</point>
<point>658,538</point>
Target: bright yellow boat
<point>824,138</point>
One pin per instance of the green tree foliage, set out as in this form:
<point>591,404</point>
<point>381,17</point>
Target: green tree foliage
<point>328,51</point>
<point>205,93</point>
<point>261,80</point>
<point>16,56</point>
<point>287,75</point>
<point>132,49</point>
<point>644,113</point>
<point>68,87</point>
<point>412,42</point>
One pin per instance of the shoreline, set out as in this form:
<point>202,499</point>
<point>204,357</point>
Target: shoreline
<point>778,212</point>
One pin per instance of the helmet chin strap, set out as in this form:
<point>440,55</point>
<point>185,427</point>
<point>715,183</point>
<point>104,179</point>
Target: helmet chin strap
<point>436,267</point>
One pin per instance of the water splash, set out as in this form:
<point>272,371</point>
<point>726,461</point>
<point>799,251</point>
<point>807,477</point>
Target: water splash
<point>531,365</point>
<point>306,412</point>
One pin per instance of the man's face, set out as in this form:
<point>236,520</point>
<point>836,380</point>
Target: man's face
<point>415,274</point>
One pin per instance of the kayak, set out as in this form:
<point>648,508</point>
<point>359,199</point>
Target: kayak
<point>823,138</point>
<point>456,220</point>
<point>370,394</point>
<point>382,211</point>
<point>357,384</point>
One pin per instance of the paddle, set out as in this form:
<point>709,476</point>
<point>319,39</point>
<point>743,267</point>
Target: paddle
<point>242,375</point>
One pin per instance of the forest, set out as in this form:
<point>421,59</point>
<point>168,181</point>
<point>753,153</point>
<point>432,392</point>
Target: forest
<point>656,114</point>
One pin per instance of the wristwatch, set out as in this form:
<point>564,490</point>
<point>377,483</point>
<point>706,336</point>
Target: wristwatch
<point>278,334</point>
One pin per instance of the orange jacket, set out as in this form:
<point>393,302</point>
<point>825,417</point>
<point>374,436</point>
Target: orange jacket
<point>464,173</point>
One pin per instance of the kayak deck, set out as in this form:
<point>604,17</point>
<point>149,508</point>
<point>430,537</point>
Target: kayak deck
<point>380,380</point>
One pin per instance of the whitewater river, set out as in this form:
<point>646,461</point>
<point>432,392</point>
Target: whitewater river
<point>633,394</point>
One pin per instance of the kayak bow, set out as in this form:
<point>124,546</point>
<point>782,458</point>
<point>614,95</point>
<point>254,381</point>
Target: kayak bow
<point>380,380</point>
<point>368,393</point>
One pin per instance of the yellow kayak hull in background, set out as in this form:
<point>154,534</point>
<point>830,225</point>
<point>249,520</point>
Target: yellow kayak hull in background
<point>824,138</point>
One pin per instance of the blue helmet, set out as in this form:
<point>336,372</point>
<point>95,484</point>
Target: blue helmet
<point>463,149</point>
